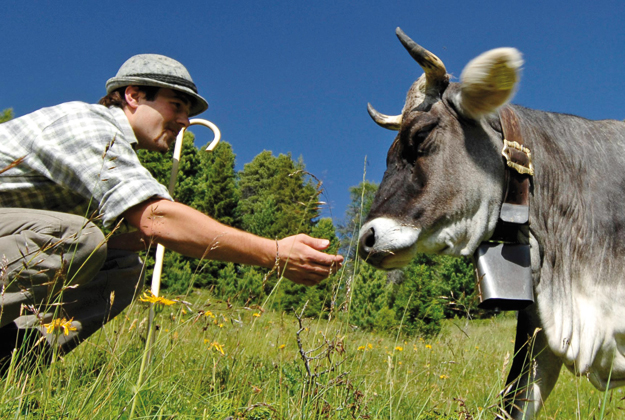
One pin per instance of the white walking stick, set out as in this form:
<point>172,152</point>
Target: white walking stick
<point>160,249</point>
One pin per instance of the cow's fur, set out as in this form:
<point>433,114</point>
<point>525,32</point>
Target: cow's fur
<point>446,197</point>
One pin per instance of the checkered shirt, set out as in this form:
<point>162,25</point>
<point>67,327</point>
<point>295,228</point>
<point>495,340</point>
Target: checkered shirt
<point>78,158</point>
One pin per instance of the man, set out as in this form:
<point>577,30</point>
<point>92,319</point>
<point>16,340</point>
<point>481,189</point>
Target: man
<point>62,279</point>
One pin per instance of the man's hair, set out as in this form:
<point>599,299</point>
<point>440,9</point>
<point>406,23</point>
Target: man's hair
<point>118,97</point>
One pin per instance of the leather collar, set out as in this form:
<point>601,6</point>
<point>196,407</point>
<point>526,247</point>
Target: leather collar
<point>514,211</point>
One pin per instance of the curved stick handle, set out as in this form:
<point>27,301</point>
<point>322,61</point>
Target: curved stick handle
<point>178,148</point>
<point>160,249</point>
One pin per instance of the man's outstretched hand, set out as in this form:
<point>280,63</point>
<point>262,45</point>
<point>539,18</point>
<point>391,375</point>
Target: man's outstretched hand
<point>302,261</point>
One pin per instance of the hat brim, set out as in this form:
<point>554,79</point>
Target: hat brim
<point>198,104</point>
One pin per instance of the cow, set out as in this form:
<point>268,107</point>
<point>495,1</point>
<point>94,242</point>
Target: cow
<point>443,190</point>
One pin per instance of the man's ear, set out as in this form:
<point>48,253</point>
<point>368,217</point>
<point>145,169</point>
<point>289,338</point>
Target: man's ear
<point>132,94</point>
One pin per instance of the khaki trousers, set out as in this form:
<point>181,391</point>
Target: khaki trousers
<point>55,270</point>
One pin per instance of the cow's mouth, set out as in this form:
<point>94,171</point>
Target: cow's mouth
<point>386,243</point>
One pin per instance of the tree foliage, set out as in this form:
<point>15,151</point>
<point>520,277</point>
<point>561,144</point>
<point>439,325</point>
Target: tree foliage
<point>273,196</point>
<point>6,115</point>
<point>277,197</point>
<point>361,199</point>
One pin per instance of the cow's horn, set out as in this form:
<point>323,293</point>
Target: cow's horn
<point>435,72</point>
<point>391,122</point>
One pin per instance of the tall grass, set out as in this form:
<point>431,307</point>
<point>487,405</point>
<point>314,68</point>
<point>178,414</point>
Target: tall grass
<point>219,362</point>
<point>213,360</point>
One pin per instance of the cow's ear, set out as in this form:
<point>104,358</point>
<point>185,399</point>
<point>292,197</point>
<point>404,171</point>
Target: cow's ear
<point>489,81</point>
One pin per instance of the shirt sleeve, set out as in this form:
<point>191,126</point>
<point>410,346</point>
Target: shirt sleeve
<point>95,160</point>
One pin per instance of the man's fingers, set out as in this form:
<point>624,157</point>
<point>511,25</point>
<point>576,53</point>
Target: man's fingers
<point>316,243</point>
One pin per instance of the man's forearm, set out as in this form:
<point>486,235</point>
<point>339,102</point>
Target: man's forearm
<point>192,233</point>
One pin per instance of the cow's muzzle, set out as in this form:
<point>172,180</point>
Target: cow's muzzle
<point>387,244</point>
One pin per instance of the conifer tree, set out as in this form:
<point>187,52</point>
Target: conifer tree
<point>277,197</point>
<point>217,190</point>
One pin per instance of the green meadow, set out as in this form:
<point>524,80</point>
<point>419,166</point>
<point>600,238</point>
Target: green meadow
<point>213,360</point>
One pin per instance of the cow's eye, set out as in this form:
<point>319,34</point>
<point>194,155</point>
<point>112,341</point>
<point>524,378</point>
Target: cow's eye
<point>418,140</point>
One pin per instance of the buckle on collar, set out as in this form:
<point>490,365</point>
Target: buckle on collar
<point>518,157</point>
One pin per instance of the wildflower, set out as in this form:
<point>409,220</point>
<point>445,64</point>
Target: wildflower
<point>221,325</point>
<point>150,298</point>
<point>444,377</point>
<point>398,348</point>
<point>209,314</point>
<point>361,348</point>
<point>370,346</point>
<point>428,346</point>
<point>281,346</point>
<point>60,324</point>
<point>218,347</point>
<point>256,314</point>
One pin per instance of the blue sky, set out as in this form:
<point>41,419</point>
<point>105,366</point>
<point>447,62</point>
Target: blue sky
<point>295,76</point>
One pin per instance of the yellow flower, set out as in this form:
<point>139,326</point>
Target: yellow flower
<point>428,346</point>
<point>221,325</point>
<point>398,348</point>
<point>217,347</point>
<point>361,348</point>
<point>150,298</point>
<point>370,346</point>
<point>209,313</point>
<point>60,324</point>
<point>444,377</point>
<point>256,314</point>
<point>281,346</point>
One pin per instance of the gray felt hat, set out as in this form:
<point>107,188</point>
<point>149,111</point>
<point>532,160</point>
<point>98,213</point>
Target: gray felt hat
<point>160,71</point>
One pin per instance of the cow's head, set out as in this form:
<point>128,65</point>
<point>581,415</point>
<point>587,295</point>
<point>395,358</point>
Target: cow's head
<point>443,185</point>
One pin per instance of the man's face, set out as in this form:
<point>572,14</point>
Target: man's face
<point>156,123</point>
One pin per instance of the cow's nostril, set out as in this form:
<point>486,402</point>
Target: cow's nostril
<point>370,238</point>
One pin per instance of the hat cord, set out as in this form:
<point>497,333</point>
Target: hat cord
<point>166,79</point>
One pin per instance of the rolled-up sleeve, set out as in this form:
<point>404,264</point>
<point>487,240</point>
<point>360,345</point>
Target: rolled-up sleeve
<point>96,160</point>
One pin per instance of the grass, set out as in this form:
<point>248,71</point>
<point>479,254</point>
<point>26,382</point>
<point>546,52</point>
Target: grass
<point>219,362</point>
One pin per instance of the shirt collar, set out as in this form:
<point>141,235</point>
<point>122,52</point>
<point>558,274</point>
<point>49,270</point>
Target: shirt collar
<point>124,125</point>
